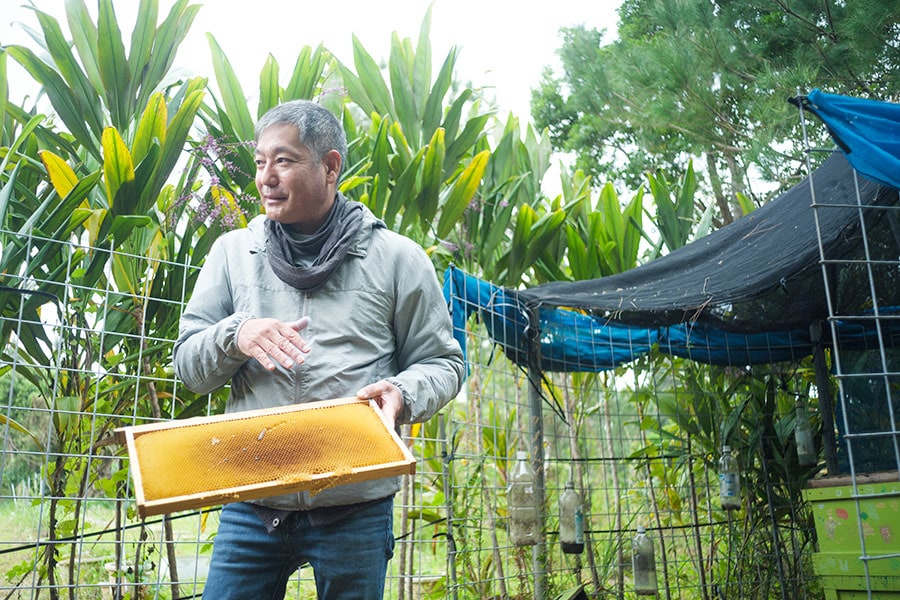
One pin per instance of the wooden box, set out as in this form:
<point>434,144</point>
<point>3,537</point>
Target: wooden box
<point>205,461</point>
<point>857,531</point>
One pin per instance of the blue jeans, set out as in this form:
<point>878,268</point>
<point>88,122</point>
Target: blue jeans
<point>348,557</point>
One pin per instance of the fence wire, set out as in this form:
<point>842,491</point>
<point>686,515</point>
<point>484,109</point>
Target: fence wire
<point>641,444</point>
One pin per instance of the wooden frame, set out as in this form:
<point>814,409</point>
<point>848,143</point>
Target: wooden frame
<point>148,505</point>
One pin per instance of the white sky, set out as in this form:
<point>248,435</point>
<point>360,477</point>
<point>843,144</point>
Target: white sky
<point>503,44</point>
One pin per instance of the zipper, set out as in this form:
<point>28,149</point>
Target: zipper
<point>298,377</point>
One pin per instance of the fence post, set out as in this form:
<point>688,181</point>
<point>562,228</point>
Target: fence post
<point>539,550</point>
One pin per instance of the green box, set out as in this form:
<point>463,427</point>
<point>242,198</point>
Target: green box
<point>856,588</point>
<point>844,522</point>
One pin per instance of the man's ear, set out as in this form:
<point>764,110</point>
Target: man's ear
<point>332,162</point>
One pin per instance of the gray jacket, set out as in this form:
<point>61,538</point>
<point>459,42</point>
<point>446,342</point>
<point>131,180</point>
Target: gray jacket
<point>380,315</point>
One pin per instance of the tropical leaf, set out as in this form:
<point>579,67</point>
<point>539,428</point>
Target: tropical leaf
<point>400,67</point>
<point>118,172</point>
<point>307,73</point>
<point>151,128</point>
<point>143,37</point>
<point>461,193</point>
<point>169,36</point>
<point>404,187</point>
<point>64,101</point>
<point>70,70</point>
<point>84,35</point>
<point>62,177</point>
<point>432,178</point>
<point>233,98</point>
<point>371,80</point>
<point>113,65</point>
<point>173,146</point>
<point>12,423</point>
<point>269,90</point>
<point>433,111</point>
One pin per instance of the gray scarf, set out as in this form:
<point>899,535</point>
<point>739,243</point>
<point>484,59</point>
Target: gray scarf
<point>329,245</point>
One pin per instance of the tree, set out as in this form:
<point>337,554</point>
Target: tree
<point>709,79</point>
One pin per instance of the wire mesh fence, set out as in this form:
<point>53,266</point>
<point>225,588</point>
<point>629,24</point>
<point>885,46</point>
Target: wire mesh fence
<point>88,360</point>
<point>88,351</point>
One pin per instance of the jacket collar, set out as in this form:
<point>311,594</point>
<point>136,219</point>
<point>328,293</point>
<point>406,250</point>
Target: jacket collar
<point>360,245</point>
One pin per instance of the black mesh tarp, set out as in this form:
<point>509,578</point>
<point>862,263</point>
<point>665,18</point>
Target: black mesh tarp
<point>745,294</point>
<point>760,273</point>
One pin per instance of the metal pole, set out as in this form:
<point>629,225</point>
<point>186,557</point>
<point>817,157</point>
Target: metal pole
<point>539,550</point>
<point>826,400</point>
<point>447,474</point>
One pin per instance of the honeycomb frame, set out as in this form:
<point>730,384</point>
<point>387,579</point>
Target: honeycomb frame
<point>207,444</point>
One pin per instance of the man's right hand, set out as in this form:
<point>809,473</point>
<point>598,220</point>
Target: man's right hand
<point>267,339</point>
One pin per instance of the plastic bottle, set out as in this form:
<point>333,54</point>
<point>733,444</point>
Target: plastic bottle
<point>643,563</point>
<point>571,521</point>
<point>729,480</point>
<point>806,446</point>
<point>524,512</point>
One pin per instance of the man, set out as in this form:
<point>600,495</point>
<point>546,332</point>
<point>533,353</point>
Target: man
<point>314,300</point>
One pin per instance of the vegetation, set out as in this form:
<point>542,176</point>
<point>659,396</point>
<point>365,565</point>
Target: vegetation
<point>709,81</point>
<point>110,202</point>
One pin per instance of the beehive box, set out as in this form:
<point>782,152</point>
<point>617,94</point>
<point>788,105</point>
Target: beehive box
<point>843,520</point>
<point>205,461</point>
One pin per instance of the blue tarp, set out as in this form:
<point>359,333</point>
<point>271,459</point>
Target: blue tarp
<point>572,341</point>
<point>866,130</point>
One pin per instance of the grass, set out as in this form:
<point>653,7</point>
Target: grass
<point>23,523</point>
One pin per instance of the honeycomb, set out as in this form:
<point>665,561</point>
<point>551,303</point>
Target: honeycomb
<point>313,447</point>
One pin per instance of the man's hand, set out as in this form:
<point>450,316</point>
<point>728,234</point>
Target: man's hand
<point>267,339</point>
<point>388,397</point>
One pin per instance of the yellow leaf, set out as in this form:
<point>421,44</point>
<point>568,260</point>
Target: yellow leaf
<point>62,177</point>
<point>117,164</point>
<point>152,127</point>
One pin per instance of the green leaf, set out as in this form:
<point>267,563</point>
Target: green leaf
<point>461,193</point>
<point>233,97</point>
<point>176,135</point>
<point>422,63</point>
<point>6,193</point>
<point>66,413</point>
<point>84,34</point>
<point>371,79</point>
<point>307,73</point>
<point>356,91</point>
<point>745,202</point>
<point>462,144</point>
<point>4,420</point>
<point>431,116</point>
<point>114,71</point>
<point>403,92</point>
<point>269,90</point>
<point>68,67</point>
<point>142,38</point>
<point>151,128</point>
<point>432,178</point>
<point>380,169</point>
<point>64,102</point>
<point>403,190</point>
<point>169,36</point>
<point>118,168</point>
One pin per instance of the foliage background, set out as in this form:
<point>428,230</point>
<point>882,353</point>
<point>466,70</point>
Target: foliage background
<point>115,184</point>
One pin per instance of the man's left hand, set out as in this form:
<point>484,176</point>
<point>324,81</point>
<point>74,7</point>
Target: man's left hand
<point>388,397</point>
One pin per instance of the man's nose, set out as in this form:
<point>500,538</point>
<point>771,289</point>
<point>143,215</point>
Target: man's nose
<point>267,175</point>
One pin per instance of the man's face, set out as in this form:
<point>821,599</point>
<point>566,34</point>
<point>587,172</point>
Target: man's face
<point>295,188</point>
